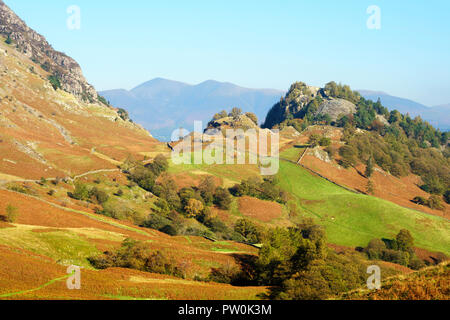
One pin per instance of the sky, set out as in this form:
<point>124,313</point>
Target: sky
<point>255,43</point>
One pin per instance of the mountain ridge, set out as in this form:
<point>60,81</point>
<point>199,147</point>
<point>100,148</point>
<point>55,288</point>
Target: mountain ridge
<point>35,46</point>
<point>435,115</point>
<point>163,105</point>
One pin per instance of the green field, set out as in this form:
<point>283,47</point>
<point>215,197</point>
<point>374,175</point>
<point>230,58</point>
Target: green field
<point>354,219</point>
<point>351,219</point>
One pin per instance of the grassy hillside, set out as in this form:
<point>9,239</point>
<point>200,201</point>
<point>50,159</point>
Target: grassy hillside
<point>353,219</point>
<point>428,284</point>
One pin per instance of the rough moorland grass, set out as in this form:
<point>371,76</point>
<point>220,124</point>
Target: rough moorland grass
<point>233,173</point>
<point>354,219</point>
<point>292,154</point>
<point>65,247</point>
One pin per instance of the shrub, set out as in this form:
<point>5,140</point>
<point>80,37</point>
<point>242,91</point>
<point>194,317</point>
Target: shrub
<point>222,198</point>
<point>81,192</point>
<point>207,188</point>
<point>348,154</point>
<point>169,230</point>
<point>144,177</point>
<point>314,140</point>
<point>434,202</point>
<point>8,40</point>
<point>405,241</point>
<point>99,195</point>
<point>11,213</point>
<point>375,249</point>
<point>447,196</point>
<point>55,82</point>
<point>252,117</point>
<point>137,255</point>
<point>103,100</point>
<point>123,114</point>
<point>416,264</point>
<point>235,113</point>
<point>227,273</point>
<point>193,208</point>
<point>249,231</point>
<point>159,165</point>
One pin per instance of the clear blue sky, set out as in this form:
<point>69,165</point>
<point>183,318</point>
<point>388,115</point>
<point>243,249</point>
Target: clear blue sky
<point>255,43</point>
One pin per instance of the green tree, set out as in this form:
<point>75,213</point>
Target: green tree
<point>235,113</point>
<point>159,165</point>
<point>55,82</point>
<point>99,195</point>
<point>249,230</point>
<point>193,208</point>
<point>222,198</point>
<point>369,167</point>
<point>207,188</point>
<point>8,40</point>
<point>405,241</point>
<point>81,192</point>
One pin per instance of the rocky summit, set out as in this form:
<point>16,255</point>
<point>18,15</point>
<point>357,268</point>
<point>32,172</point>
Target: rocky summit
<point>36,47</point>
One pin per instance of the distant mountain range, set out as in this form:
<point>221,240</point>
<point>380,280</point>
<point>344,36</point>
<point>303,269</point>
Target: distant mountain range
<point>162,105</point>
<point>438,116</point>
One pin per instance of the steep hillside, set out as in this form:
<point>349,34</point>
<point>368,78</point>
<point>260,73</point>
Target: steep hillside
<point>429,284</point>
<point>36,48</point>
<point>162,105</point>
<point>48,132</point>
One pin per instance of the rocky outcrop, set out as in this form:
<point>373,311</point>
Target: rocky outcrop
<point>297,98</point>
<point>336,108</point>
<point>36,47</point>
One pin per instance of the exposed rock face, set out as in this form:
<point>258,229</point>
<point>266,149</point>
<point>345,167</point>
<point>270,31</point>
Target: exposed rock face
<point>35,47</point>
<point>336,108</point>
<point>297,98</point>
<point>242,122</point>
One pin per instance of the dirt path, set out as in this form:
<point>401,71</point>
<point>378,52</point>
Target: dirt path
<point>3,182</point>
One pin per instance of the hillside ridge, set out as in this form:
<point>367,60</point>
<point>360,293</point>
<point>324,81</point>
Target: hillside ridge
<point>35,46</point>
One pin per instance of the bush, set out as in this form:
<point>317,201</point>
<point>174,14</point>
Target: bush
<point>11,213</point>
<point>8,40</point>
<point>159,165</point>
<point>81,192</point>
<point>193,208</point>
<point>435,203</point>
<point>103,100</point>
<point>227,273</point>
<point>206,189</point>
<point>416,264</point>
<point>447,196</point>
<point>123,114</point>
<point>137,255</point>
<point>235,113</point>
<point>99,195</point>
<point>249,231</point>
<point>266,189</point>
<point>252,117</point>
<point>169,230</point>
<point>222,198</point>
<point>375,249</point>
<point>348,154</point>
<point>55,82</point>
